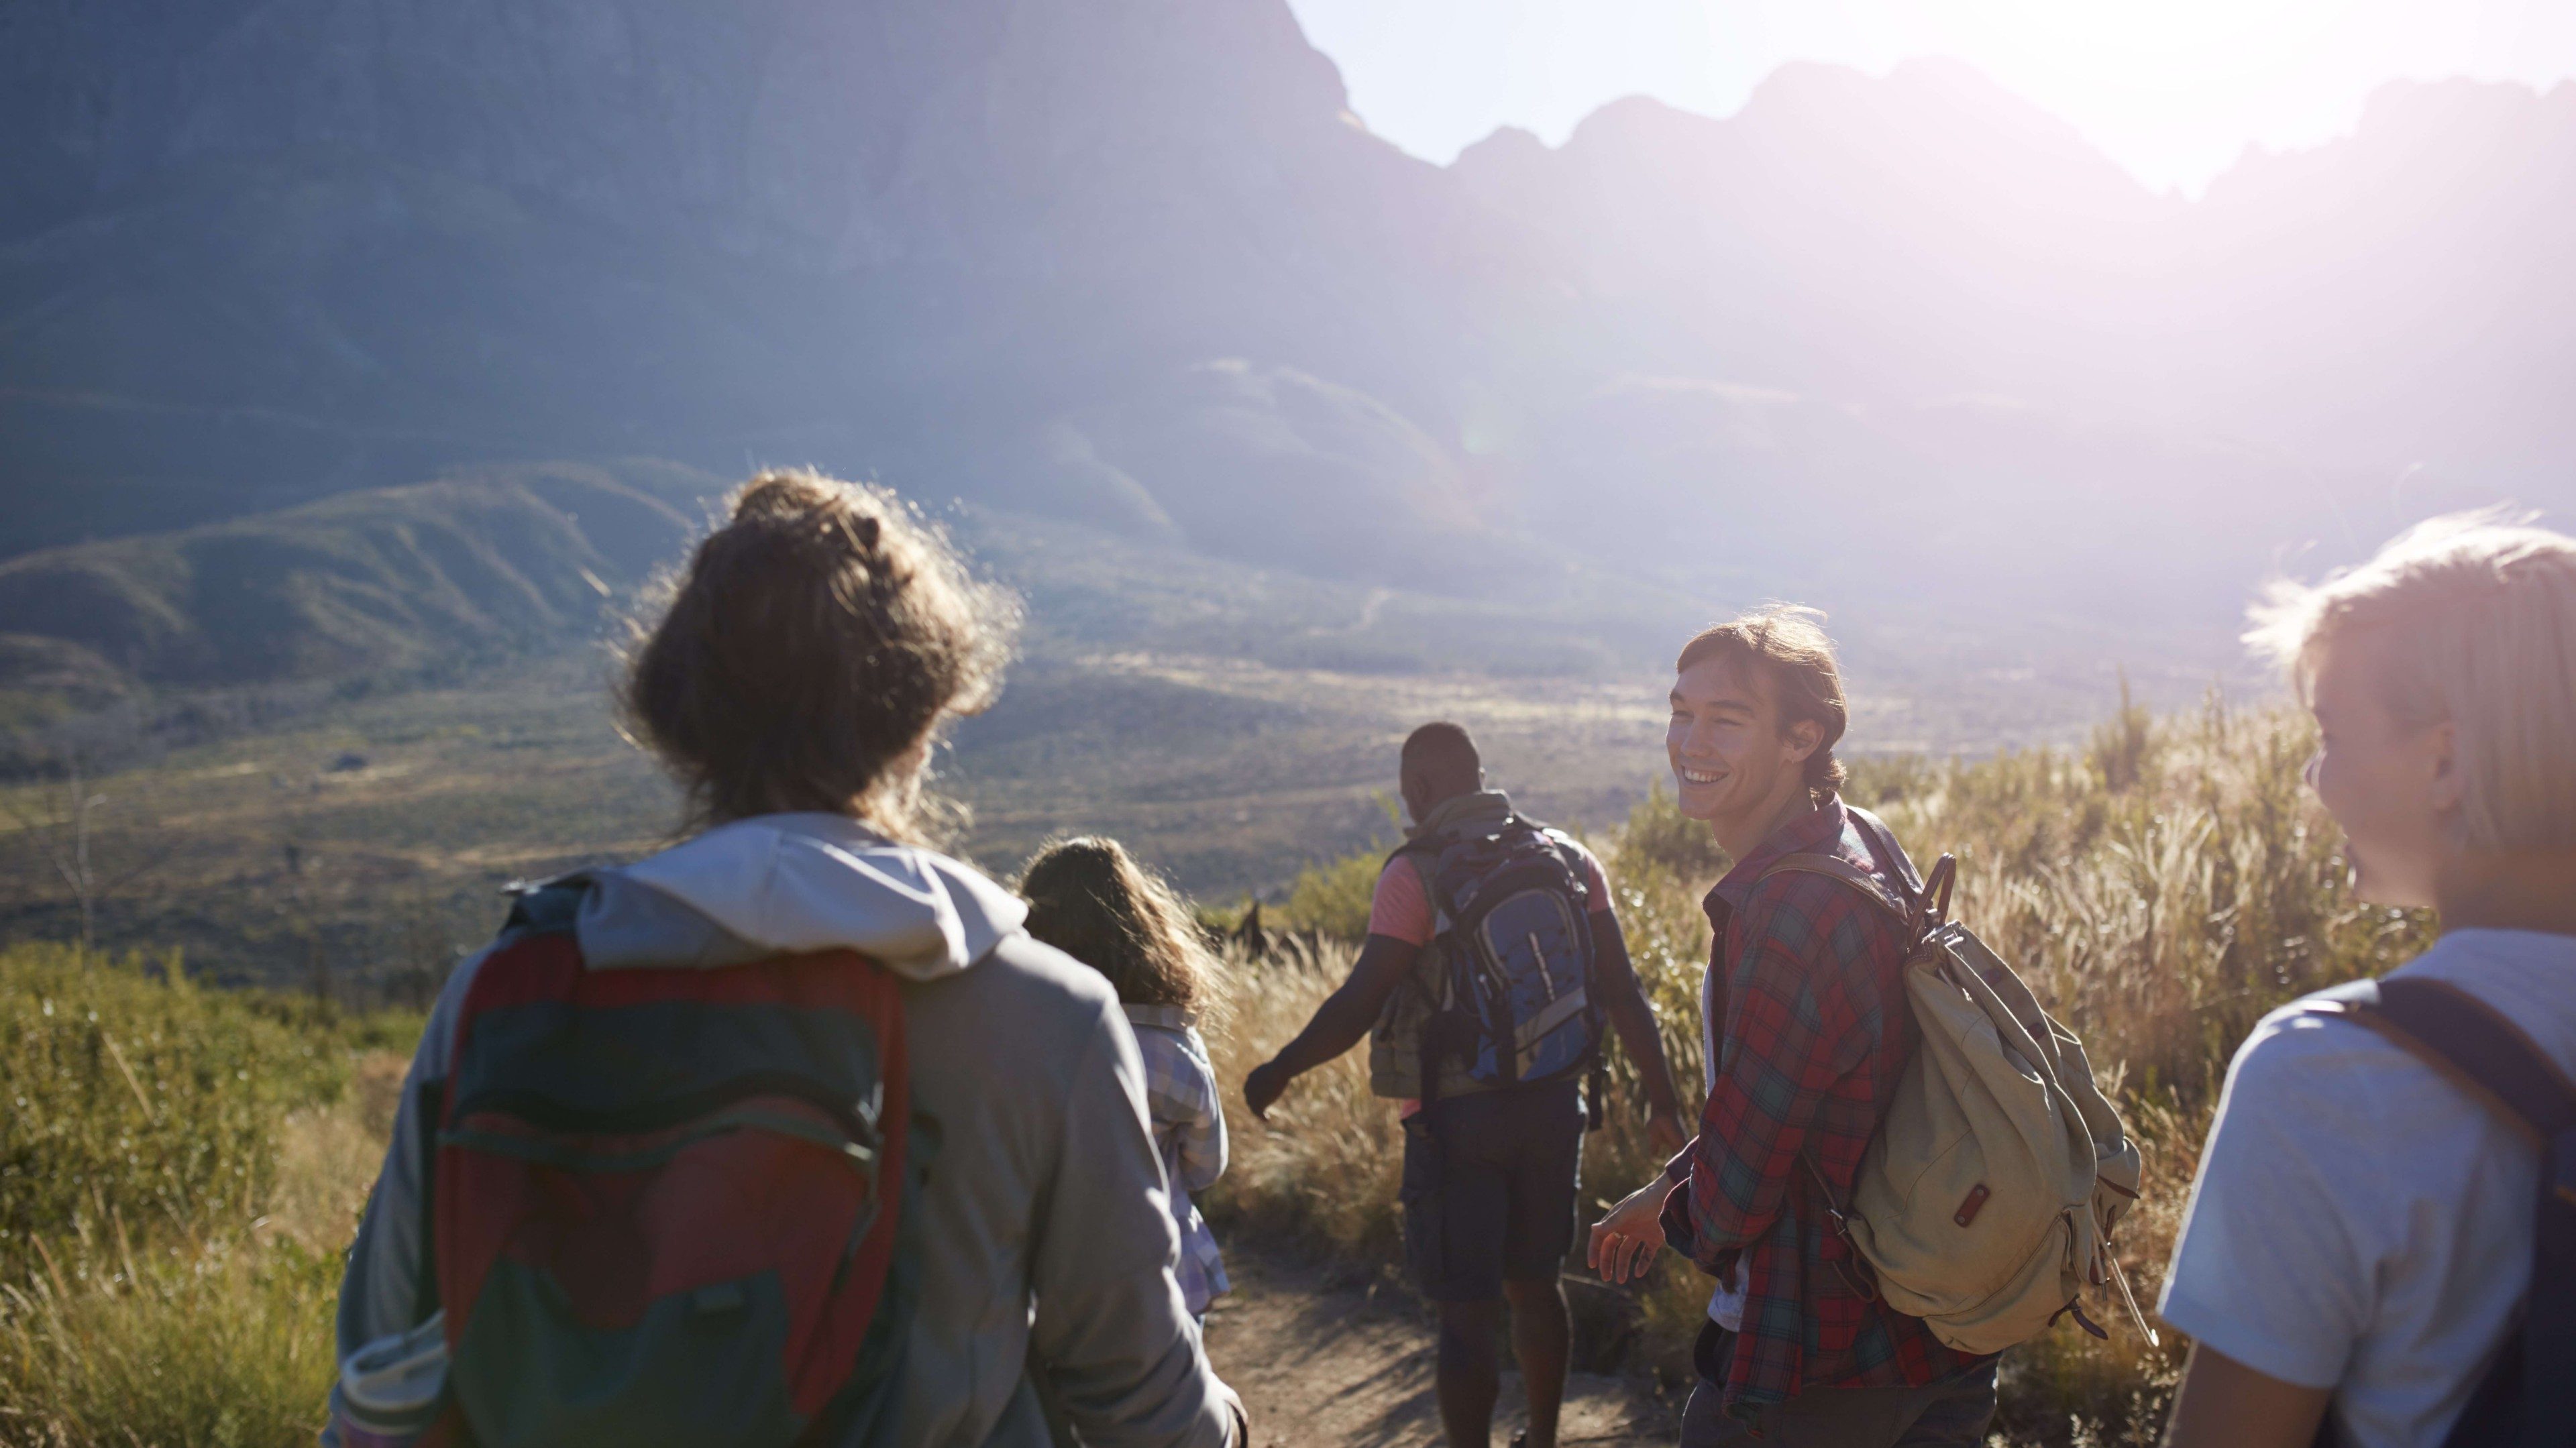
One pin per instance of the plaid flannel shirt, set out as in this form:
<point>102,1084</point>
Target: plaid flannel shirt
<point>1809,982</point>
<point>1189,1131</point>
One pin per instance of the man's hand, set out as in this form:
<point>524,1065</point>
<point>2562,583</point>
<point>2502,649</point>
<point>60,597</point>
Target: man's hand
<point>1262,1087</point>
<point>1625,1242</point>
<point>1664,1132</point>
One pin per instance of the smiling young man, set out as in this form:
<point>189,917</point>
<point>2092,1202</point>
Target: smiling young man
<point>1806,1030</point>
<point>2359,1247</point>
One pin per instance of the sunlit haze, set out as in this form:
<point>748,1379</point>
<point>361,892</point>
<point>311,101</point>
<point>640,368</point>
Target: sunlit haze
<point>2174,90</point>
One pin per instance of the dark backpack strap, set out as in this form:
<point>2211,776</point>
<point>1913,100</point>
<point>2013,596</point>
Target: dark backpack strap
<point>1850,874</point>
<point>1596,1076</point>
<point>2466,1040</point>
<point>2526,1395</point>
<point>1889,855</point>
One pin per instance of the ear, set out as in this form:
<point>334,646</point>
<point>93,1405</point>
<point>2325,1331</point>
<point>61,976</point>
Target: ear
<point>1802,738</point>
<point>2441,757</point>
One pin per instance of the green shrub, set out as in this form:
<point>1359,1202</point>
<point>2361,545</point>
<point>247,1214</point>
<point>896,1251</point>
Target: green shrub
<point>179,1168</point>
<point>1333,899</point>
<point>139,1100</point>
<point>1659,835</point>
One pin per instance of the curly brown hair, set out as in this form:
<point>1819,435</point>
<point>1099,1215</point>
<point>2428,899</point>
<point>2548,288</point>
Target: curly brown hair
<point>808,651</point>
<point>1090,899</point>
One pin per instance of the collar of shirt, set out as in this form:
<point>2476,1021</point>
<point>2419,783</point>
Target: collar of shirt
<point>1170,1018</point>
<point>1819,830</point>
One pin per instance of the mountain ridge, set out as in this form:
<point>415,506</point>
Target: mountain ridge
<point>264,251</point>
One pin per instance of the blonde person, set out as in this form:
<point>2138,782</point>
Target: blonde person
<point>813,647</point>
<point>2360,1244</point>
<point>1090,899</point>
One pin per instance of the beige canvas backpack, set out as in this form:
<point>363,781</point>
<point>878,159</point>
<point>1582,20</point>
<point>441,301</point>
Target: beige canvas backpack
<point>1986,1202</point>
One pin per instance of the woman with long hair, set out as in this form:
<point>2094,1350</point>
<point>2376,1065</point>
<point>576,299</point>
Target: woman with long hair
<point>1090,899</point>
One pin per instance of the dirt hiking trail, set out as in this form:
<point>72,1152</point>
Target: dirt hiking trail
<point>1327,1363</point>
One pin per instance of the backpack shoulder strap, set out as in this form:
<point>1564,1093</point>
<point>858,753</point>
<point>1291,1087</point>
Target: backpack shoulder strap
<point>1887,852</point>
<point>2466,1040</point>
<point>545,907</point>
<point>1847,872</point>
<point>2522,1396</point>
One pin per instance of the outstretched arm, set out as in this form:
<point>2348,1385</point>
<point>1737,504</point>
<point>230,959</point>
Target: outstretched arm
<point>1339,1023</point>
<point>1616,978</point>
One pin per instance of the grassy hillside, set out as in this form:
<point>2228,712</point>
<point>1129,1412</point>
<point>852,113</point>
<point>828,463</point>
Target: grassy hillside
<point>384,580</point>
<point>177,1177</point>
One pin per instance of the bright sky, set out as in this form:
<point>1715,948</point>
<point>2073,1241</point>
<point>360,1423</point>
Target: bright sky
<point>2173,89</point>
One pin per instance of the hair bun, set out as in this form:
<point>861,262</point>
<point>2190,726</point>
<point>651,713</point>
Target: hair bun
<point>784,494</point>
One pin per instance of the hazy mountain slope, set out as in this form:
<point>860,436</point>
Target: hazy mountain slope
<point>1274,466</point>
<point>386,579</point>
<point>2403,295</point>
<point>357,239</point>
<point>2393,297</point>
<point>1131,264</point>
<point>1923,234</point>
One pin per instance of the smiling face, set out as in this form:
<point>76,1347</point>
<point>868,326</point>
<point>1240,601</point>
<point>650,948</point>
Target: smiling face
<point>1733,765</point>
<point>2393,787</point>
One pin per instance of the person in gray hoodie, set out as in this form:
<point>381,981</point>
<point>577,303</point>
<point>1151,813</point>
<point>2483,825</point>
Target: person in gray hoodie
<point>812,647</point>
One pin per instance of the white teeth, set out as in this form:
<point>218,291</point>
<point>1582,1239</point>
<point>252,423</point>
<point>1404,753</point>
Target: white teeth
<point>1696,776</point>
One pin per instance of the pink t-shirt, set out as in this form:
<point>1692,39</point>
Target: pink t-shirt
<point>1401,910</point>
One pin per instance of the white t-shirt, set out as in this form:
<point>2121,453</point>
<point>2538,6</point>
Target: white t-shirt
<point>1726,1300</point>
<point>2360,1223</point>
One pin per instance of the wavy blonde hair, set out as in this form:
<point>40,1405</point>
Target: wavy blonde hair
<point>2471,618</point>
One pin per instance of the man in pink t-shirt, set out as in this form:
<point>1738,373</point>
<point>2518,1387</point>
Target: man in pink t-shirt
<point>1489,1169</point>
<point>1401,909</point>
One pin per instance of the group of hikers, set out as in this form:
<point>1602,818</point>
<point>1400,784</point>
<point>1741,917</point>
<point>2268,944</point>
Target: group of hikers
<point>802,1131</point>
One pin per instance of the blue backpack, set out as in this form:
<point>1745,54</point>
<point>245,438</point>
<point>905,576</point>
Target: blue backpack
<point>1515,930</point>
<point>2527,1395</point>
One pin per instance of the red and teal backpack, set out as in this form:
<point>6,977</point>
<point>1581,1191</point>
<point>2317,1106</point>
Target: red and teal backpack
<point>669,1206</point>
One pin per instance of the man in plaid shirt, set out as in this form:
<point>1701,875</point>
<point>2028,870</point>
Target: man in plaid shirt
<point>1806,1029</point>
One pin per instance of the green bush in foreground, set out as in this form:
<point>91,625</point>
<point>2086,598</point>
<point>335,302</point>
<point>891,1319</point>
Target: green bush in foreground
<point>143,1297</point>
<point>138,1100</point>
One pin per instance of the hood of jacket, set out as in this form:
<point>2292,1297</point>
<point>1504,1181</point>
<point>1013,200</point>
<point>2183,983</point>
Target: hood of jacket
<point>1477,807</point>
<point>790,884</point>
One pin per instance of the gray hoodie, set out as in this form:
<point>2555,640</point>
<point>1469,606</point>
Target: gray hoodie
<point>1046,1234</point>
